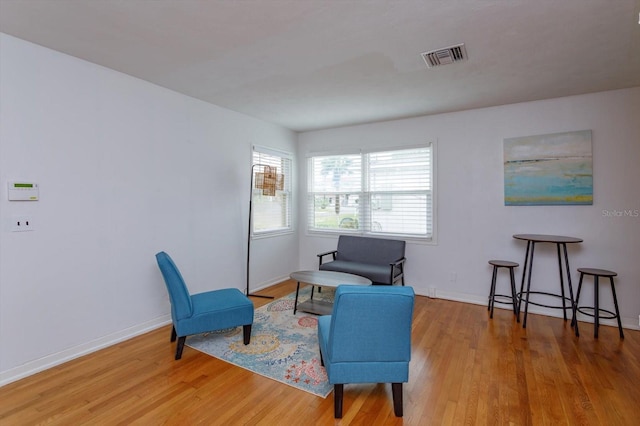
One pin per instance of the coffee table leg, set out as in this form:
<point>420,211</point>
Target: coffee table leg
<point>295,304</point>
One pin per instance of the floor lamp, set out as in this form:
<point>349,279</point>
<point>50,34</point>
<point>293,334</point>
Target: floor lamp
<point>268,181</point>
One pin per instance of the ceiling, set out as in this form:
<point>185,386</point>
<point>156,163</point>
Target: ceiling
<point>314,64</point>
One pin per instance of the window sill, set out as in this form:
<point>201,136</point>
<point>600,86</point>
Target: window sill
<point>271,234</point>
<point>408,238</point>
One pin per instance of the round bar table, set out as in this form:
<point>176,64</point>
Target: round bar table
<point>561,243</point>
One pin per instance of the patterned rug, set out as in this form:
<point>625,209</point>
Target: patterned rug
<point>283,347</point>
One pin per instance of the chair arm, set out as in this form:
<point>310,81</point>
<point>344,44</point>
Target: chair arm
<point>321,256</point>
<point>399,262</point>
<point>399,265</point>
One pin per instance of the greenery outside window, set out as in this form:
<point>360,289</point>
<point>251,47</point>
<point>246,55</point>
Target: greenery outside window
<point>271,214</point>
<point>382,192</point>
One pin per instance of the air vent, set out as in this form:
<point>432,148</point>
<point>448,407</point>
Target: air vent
<point>445,56</point>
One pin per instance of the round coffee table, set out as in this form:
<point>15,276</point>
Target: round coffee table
<point>322,279</point>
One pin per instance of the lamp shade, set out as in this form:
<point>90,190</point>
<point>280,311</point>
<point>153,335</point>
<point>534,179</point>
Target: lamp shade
<point>269,181</point>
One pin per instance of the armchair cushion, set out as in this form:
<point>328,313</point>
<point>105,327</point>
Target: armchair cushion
<point>229,304</point>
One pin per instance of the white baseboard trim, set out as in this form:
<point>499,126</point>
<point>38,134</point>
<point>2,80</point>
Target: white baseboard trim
<point>627,322</point>
<point>269,283</point>
<point>52,360</point>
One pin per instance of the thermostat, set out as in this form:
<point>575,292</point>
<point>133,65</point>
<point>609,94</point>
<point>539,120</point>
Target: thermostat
<point>23,191</point>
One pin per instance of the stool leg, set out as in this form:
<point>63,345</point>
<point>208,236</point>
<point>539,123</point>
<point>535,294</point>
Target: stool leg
<point>526,302</point>
<point>566,263</point>
<point>564,306</point>
<point>513,291</point>
<point>615,302</point>
<point>492,293</point>
<point>575,317</point>
<point>596,303</point>
<point>524,273</point>
<point>493,276</point>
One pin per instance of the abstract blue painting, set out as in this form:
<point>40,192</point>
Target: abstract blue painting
<point>553,169</point>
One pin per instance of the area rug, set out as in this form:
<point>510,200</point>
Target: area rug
<point>283,347</point>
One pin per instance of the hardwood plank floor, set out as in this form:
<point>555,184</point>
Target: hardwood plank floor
<point>465,369</point>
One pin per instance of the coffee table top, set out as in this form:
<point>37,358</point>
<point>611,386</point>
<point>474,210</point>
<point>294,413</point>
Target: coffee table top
<point>328,278</point>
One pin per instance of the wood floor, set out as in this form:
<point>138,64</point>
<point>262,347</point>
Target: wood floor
<point>465,369</point>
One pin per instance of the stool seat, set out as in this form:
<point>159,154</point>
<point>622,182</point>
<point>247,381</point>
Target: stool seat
<point>504,264</point>
<point>497,264</point>
<point>599,272</point>
<point>597,311</point>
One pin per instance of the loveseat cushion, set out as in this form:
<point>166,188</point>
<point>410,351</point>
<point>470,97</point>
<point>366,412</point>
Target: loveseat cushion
<point>377,251</point>
<point>376,273</point>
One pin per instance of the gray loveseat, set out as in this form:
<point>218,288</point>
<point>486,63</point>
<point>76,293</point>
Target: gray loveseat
<point>380,260</point>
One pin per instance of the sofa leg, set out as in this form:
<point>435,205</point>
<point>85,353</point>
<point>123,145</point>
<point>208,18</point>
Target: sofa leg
<point>173,333</point>
<point>337,400</point>
<point>396,390</point>
<point>246,333</point>
<point>180,347</point>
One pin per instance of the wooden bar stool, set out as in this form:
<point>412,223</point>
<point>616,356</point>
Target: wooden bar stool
<point>497,264</point>
<point>595,310</point>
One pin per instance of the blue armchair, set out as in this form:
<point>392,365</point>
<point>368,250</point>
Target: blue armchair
<point>203,312</point>
<point>367,339</point>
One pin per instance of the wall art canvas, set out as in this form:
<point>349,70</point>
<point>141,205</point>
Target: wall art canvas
<point>553,169</point>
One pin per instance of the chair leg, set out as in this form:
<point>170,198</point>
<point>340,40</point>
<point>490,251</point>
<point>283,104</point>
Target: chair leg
<point>246,333</point>
<point>173,333</point>
<point>180,347</point>
<point>396,390</point>
<point>337,400</point>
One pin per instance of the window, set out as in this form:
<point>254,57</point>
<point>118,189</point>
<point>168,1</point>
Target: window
<point>385,192</point>
<point>271,214</point>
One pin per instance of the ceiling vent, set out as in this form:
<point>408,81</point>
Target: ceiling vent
<point>445,56</point>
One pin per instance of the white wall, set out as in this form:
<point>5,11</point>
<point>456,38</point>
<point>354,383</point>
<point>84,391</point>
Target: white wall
<point>473,223</point>
<point>125,169</point>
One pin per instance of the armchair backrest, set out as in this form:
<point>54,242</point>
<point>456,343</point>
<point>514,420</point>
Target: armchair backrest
<point>179,296</point>
<point>371,324</point>
<point>369,250</point>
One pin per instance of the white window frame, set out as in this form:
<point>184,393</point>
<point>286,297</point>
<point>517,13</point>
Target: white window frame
<point>265,156</point>
<point>364,196</point>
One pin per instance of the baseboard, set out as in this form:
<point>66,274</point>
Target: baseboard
<point>267,284</point>
<point>52,360</point>
<point>627,322</point>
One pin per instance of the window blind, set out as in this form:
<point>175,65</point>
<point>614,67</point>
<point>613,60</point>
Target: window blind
<point>382,192</point>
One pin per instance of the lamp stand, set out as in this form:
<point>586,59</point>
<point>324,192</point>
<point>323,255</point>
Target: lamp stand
<point>249,236</point>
